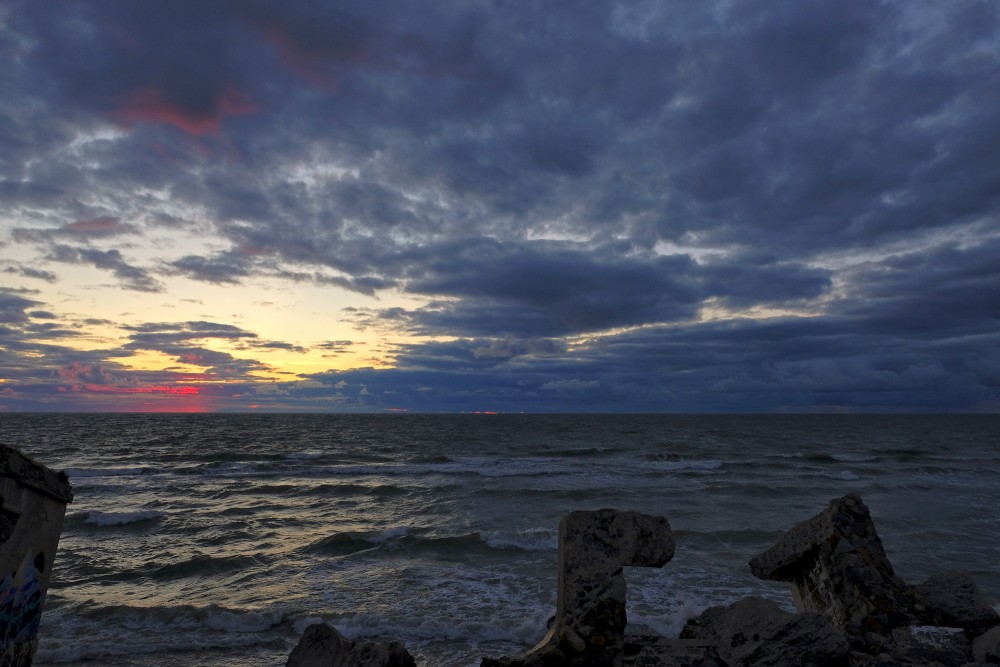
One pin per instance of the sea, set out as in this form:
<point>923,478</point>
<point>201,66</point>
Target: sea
<point>215,540</point>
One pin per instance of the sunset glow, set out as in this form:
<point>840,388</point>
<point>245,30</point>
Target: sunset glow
<point>750,207</point>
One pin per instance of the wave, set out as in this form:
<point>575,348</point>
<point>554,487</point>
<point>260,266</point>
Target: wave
<point>846,457</point>
<point>198,565</point>
<point>854,458</point>
<point>303,456</point>
<point>105,472</point>
<point>345,544</point>
<point>843,475</point>
<point>348,543</point>
<point>563,463</point>
<point>689,465</point>
<point>103,519</point>
<point>585,452</point>
<point>532,539</point>
<point>93,632</point>
<point>728,536</point>
<point>481,466</point>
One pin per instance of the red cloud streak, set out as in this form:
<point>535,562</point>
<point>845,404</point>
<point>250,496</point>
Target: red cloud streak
<point>152,105</point>
<point>102,224</point>
<point>111,389</point>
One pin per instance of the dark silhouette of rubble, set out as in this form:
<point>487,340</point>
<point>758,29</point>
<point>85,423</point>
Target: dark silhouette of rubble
<point>852,609</point>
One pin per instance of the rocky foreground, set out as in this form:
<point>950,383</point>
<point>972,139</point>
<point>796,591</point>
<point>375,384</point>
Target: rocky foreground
<point>852,609</point>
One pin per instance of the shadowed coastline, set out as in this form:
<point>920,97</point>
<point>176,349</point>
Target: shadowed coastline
<point>852,609</point>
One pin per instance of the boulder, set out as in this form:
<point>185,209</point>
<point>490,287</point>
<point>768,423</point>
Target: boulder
<point>589,626</point>
<point>928,646</point>
<point>952,599</point>
<point>322,646</point>
<point>756,632</point>
<point>837,566</point>
<point>645,648</point>
<point>986,647</point>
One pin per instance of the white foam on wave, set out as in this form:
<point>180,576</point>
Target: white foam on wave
<point>844,475</point>
<point>534,539</point>
<point>681,466</point>
<point>103,472</point>
<point>303,456</point>
<point>123,631</point>
<point>98,518</point>
<point>389,534</point>
<point>421,629</point>
<point>501,467</point>
<point>225,620</point>
<point>853,458</point>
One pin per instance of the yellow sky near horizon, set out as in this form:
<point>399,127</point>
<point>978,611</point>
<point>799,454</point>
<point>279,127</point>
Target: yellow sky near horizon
<point>305,315</point>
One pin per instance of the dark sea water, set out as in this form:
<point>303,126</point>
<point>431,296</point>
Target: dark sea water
<point>216,539</point>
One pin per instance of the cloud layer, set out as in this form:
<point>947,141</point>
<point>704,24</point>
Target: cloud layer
<point>719,206</point>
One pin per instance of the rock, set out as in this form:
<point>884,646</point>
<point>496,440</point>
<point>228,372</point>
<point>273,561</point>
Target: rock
<point>837,566</point>
<point>986,647</point>
<point>952,599</point>
<point>645,648</point>
<point>663,652</point>
<point>589,627</point>
<point>322,646</point>
<point>929,646</point>
<point>756,632</point>
<point>704,626</point>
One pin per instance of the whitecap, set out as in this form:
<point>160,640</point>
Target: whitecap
<point>103,472</point>
<point>98,518</point>
<point>535,539</point>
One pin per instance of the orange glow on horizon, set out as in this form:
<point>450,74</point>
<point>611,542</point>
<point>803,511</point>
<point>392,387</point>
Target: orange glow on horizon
<point>154,398</point>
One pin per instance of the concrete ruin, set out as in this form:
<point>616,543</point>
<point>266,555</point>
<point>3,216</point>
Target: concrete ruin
<point>33,502</point>
<point>852,609</point>
<point>836,566</point>
<point>589,625</point>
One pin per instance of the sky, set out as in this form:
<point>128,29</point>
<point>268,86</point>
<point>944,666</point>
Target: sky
<point>511,206</point>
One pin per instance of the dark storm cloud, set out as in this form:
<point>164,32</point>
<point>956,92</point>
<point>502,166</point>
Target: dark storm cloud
<point>759,278</point>
<point>537,176</point>
<point>14,306</point>
<point>143,63</point>
<point>335,345</point>
<point>78,230</point>
<point>217,365</point>
<point>154,335</point>
<point>224,268</point>
<point>545,289</point>
<point>941,294</point>
<point>185,341</point>
<point>276,345</point>
<point>131,277</point>
<point>799,364</point>
<point>28,272</point>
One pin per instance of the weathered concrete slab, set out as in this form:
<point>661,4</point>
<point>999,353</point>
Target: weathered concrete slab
<point>755,631</point>
<point>33,502</point>
<point>837,566</point>
<point>589,626</point>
